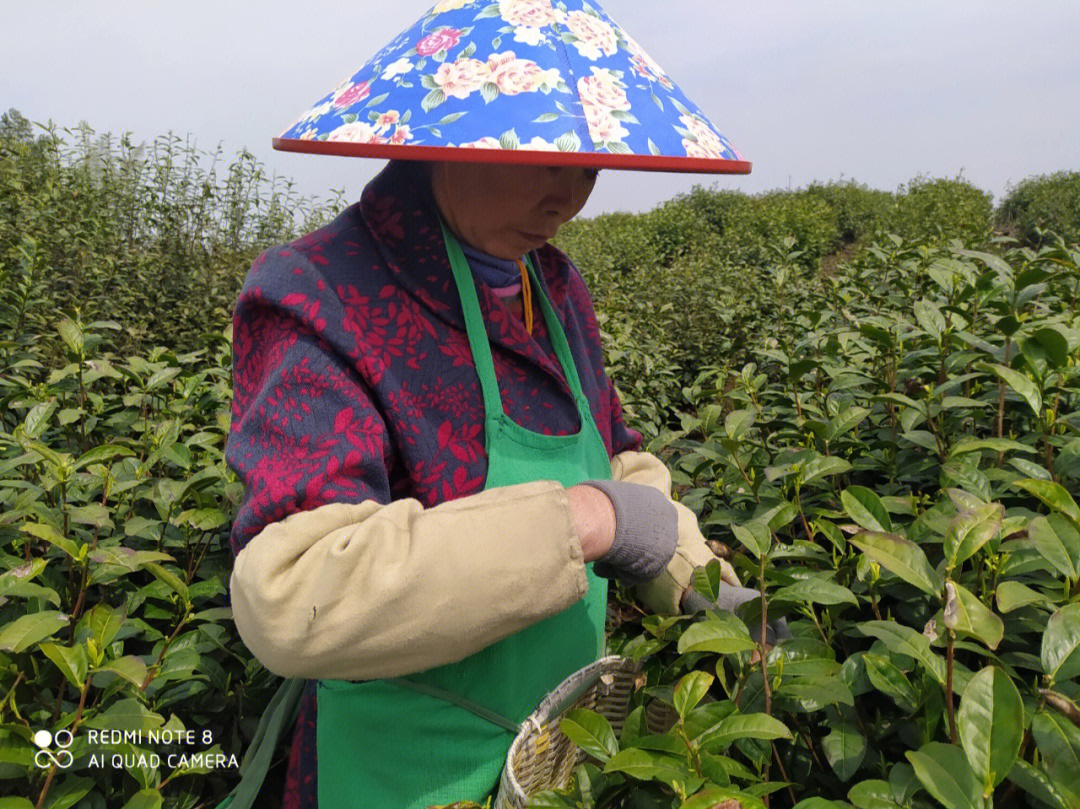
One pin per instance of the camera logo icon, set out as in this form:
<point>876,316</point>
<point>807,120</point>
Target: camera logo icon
<point>45,757</point>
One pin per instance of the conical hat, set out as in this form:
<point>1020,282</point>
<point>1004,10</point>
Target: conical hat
<point>515,81</point>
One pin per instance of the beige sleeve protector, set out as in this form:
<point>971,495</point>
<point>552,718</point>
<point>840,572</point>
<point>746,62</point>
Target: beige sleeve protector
<point>367,591</point>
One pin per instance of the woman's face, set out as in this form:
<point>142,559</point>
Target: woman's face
<point>508,210</point>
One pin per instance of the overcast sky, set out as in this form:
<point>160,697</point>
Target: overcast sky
<point>878,92</point>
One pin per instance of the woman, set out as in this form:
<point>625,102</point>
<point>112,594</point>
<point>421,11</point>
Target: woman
<point>438,476</point>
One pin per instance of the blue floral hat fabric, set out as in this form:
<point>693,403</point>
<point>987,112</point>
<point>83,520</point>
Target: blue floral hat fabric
<point>517,81</point>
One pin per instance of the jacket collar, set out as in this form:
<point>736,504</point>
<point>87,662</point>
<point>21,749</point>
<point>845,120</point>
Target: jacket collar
<point>399,212</point>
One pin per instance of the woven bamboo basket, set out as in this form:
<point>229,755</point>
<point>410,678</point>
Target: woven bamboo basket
<point>541,756</point>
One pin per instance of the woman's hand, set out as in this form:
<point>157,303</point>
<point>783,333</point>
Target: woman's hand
<point>594,520</point>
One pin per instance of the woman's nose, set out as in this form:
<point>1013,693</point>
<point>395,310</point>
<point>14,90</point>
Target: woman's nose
<point>567,191</point>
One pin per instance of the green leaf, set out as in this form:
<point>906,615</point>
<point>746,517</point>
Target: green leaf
<point>68,792</point>
<point>690,691</point>
<point>1054,343</point>
<point>1056,540</point>
<point>635,727</point>
<point>144,799</point>
<point>965,445</point>
<point>1058,741</point>
<point>126,714</point>
<point>1012,595</point>
<point>887,678</point>
<point>809,695</point>
<point>755,537</point>
<point>823,466</point>
<point>737,423</point>
<point>904,640</point>
<point>930,318</point>
<point>1061,644</point>
<point>130,667</point>
<point>991,725</point>
<point>170,579</point>
<point>866,509</point>
<point>816,591</point>
<point>16,803</point>
<point>719,632</point>
<point>71,334</point>
<point>24,632</point>
<point>646,765</point>
<point>970,530</point>
<point>707,581</point>
<point>872,794</point>
<point>1019,383</point>
<point>964,612</point>
<point>102,453</point>
<point>591,732</point>
<point>818,803</point>
<point>742,726</point>
<point>53,537</point>
<point>845,749</point>
<point>844,422</point>
<point>71,661</point>
<point>1053,495</point>
<point>945,773</point>
<point>900,557</point>
<point>1037,784</point>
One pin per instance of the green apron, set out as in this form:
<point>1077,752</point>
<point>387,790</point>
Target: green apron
<point>442,735</point>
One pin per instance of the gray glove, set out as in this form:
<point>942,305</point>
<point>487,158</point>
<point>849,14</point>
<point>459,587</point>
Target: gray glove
<point>729,600</point>
<point>646,532</point>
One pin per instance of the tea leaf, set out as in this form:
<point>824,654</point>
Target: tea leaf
<point>591,732</point>
<point>1061,644</point>
<point>945,773</point>
<point>1012,595</point>
<point>970,530</point>
<point>1058,741</point>
<point>845,749</point>
<point>901,557</point>
<point>71,661</point>
<point>719,632</point>
<point>964,612</point>
<point>742,726</point>
<point>991,725</point>
<point>690,691</point>
<point>24,632</point>
<point>1057,541</point>
<point>1054,496</point>
<point>906,641</point>
<point>816,591</point>
<point>866,509</point>
<point>1037,784</point>
<point>144,799</point>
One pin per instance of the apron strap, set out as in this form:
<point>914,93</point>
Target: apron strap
<point>478,340</point>
<point>279,716</point>
<point>460,701</point>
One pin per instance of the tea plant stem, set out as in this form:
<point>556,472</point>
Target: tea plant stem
<point>74,726</point>
<point>151,672</point>
<point>949,685</point>
<point>806,737</point>
<point>1001,401</point>
<point>874,604</point>
<point>783,774</point>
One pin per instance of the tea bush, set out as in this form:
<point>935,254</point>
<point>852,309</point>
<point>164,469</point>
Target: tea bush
<point>1049,202</point>
<point>894,475</point>
<point>935,211</point>
<point>150,236</point>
